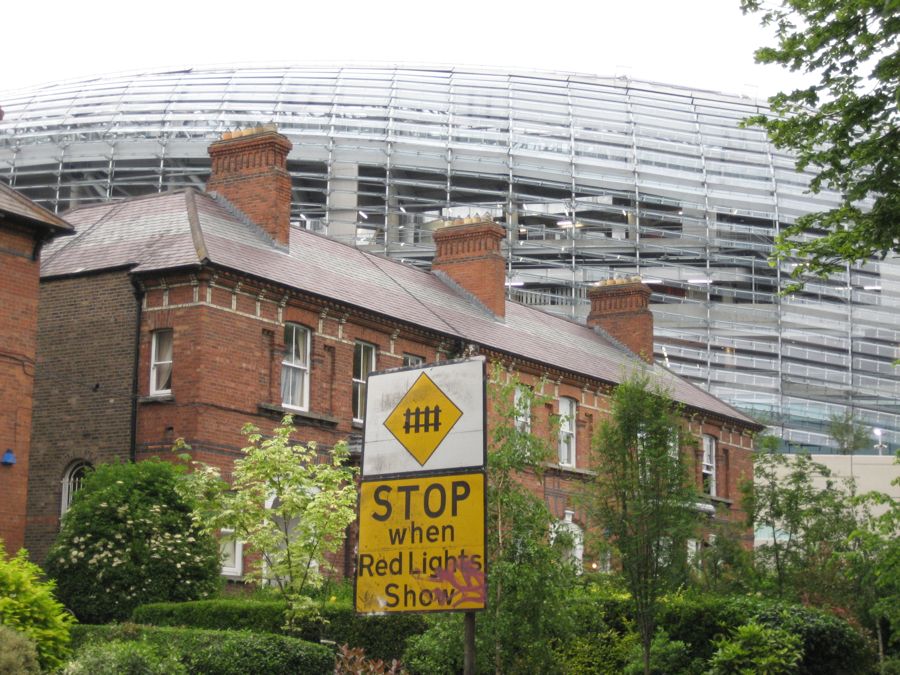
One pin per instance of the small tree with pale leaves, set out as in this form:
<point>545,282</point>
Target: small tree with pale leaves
<point>288,503</point>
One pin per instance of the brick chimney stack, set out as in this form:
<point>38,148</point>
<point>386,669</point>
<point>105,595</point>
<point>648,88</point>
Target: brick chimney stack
<point>249,169</point>
<point>468,252</point>
<point>621,308</point>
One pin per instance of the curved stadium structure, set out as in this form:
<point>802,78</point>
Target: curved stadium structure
<point>592,178</point>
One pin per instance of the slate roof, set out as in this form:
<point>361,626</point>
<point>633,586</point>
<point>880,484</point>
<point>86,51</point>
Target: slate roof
<point>187,228</point>
<point>25,211</point>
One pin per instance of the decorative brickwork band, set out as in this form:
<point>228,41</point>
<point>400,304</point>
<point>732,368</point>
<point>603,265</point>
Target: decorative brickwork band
<point>249,169</point>
<point>469,253</point>
<point>621,308</point>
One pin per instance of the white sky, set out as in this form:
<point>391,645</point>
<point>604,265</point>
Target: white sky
<point>706,44</point>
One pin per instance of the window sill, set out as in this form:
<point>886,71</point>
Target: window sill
<point>157,398</point>
<point>301,417</point>
<point>358,424</point>
<point>566,468</point>
<point>719,500</point>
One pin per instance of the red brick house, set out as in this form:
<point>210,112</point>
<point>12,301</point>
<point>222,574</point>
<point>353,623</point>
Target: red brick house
<point>24,228</point>
<point>188,313</point>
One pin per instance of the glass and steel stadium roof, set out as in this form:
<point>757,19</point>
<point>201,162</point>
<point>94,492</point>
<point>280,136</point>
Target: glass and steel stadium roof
<point>592,177</point>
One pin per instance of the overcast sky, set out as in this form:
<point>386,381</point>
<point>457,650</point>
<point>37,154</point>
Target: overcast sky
<point>706,44</point>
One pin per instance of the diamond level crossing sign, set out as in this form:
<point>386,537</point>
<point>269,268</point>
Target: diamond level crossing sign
<point>425,419</point>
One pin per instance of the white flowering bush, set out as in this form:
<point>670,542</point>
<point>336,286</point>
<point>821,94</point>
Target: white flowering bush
<point>128,539</point>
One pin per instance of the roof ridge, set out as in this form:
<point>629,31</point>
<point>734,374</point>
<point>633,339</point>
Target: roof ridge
<point>194,221</point>
<point>244,219</point>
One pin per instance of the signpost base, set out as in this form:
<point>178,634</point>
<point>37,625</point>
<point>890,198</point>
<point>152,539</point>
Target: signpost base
<point>469,654</point>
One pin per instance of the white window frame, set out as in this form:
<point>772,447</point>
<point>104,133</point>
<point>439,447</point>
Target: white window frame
<point>226,538</point>
<point>575,555</point>
<point>522,405</point>
<point>293,362</point>
<point>413,360</point>
<point>72,480</point>
<point>568,412</point>
<point>360,378</point>
<point>156,363</point>
<point>708,465</point>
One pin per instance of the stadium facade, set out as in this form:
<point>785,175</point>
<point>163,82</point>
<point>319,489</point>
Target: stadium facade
<point>592,178</point>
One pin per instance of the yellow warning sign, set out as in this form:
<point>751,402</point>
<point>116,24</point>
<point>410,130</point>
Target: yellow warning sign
<point>423,418</point>
<point>421,544</point>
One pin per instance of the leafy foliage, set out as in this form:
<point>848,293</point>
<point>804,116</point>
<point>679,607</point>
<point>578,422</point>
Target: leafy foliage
<point>754,648</point>
<point>802,515</point>
<point>844,126</point>
<point>18,655</point>
<point>120,657</point>
<point>27,606</point>
<point>129,538</point>
<point>220,652</point>
<point>529,576</point>
<point>641,494</point>
<point>382,637</point>
<point>284,504</point>
<point>354,661</point>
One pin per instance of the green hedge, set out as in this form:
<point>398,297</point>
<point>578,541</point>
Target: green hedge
<point>219,652</point>
<point>831,646</point>
<point>382,637</point>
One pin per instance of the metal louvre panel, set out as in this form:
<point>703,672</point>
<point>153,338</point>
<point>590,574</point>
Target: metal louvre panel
<point>656,180</point>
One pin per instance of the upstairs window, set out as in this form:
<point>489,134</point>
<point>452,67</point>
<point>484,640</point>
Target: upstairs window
<point>161,362</point>
<point>568,407</point>
<point>709,465</point>
<point>363,364</point>
<point>295,367</point>
<point>522,403</point>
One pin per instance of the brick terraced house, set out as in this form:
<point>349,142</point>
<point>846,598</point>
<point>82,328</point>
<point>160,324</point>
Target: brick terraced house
<point>24,228</point>
<point>189,313</point>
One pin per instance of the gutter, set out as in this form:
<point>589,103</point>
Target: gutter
<point>139,298</point>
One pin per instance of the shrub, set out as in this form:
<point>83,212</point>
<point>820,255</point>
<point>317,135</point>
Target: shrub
<point>18,655</point>
<point>27,605</point>
<point>128,539</point>
<point>382,637</point>
<point>754,648</point>
<point>666,657</point>
<point>439,650</point>
<point>831,646</point>
<point>229,614</point>
<point>355,662</point>
<point>604,653</point>
<point>120,657</point>
<point>220,652</point>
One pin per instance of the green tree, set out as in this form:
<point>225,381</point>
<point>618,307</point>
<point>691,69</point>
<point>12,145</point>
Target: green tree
<point>530,576</point>
<point>843,126</point>
<point>128,539</point>
<point>849,433</point>
<point>529,572</point>
<point>802,515</point>
<point>286,503</point>
<point>28,607</point>
<point>641,494</point>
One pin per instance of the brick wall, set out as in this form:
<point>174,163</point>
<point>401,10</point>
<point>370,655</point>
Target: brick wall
<point>82,389</point>
<point>18,328</point>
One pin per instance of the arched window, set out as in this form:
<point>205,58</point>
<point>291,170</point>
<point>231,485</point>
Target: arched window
<point>71,482</point>
<point>574,538</point>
